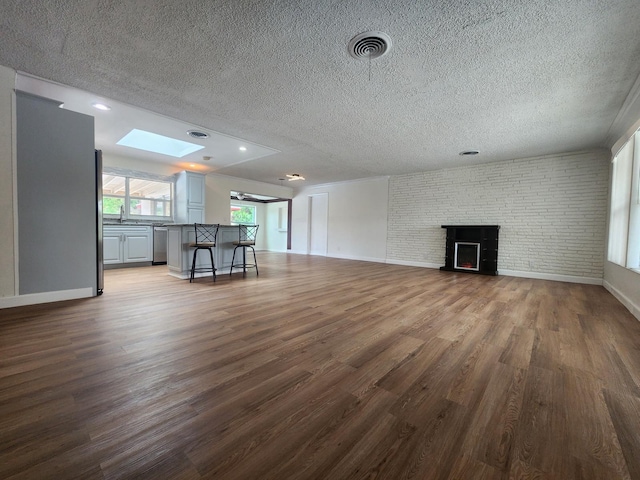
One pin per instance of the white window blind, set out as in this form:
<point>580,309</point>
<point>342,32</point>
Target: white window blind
<point>620,204</point>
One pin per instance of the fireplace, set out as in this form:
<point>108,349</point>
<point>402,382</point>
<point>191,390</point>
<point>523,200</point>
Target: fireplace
<point>467,256</point>
<point>472,248</point>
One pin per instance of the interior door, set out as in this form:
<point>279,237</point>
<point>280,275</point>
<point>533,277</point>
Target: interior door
<point>318,223</point>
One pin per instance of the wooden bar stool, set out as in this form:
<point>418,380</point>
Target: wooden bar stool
<point>205,240</point>
<point>246,239</point>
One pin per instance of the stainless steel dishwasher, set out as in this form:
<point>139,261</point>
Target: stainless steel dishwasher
<point>159,245</point>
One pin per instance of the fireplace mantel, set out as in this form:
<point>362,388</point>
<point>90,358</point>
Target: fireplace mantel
<point>485,236</point>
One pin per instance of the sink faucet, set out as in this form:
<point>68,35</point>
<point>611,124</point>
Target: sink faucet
<point>121,213</point>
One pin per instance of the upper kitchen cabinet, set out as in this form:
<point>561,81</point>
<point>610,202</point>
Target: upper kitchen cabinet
<point>190,197</point>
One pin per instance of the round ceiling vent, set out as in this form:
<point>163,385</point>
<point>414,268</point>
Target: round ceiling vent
<point>369,45</point>
<point>197,134</point>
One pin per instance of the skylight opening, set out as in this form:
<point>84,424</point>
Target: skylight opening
<point>152,142</point>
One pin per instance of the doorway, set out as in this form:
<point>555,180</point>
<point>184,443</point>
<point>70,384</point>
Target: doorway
<point>318,224</point>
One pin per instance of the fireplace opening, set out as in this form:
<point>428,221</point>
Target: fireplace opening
<point>467,256</point>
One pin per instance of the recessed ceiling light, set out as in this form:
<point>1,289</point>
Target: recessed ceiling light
<point>101,106</point>
<point>294,176</point>
<point>197,134</point>
<point>152,142</point>
<point>243,149</point>
<point>469,152</point>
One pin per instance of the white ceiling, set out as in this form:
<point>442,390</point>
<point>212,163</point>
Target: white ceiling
<point>220,151</point>
<point>509,78</point>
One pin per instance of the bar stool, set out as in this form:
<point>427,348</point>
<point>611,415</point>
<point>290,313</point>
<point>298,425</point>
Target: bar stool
<point>246,239</point>
<point>205,240</point>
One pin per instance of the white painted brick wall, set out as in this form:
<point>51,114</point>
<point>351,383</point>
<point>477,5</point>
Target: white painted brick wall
<point>552,212</point>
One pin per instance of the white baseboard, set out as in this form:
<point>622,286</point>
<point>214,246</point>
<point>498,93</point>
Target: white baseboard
<point>413,264</point>
<point>46,297</point>
<point>360,259</point>
<point>552,276</point>
<point>623,299</point>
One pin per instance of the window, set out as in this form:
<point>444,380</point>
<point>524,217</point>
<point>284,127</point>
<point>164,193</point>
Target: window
<point>624,215</point>
<point>243,214</point>
<point>113,194</point>
<point>135,197</point>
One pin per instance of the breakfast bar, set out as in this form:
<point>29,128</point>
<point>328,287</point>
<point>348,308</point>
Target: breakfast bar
<point>179,255</point>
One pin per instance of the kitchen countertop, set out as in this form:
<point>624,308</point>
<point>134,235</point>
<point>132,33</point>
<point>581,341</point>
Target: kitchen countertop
<point>142,223</point>
<point>191,225</point>
<point>131,223</point>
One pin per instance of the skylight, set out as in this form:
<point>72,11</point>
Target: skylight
<point>152,142</point>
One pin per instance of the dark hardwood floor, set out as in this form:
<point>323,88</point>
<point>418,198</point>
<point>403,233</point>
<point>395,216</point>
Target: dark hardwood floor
<point>322,369</point>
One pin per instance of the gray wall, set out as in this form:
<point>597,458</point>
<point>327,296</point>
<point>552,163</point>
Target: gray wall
<point>56,197</point>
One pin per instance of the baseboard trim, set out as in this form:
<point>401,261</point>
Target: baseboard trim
<point>552,276</point>
<point>623,299</point>
<point>413,264</point>
<point>360,259</point>
<point>46,297</point>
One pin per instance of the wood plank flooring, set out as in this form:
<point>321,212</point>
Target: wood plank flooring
<point>322,368</point>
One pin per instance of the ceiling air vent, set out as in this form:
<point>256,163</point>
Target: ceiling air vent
<point>369,45</point>
<point>197,134</point>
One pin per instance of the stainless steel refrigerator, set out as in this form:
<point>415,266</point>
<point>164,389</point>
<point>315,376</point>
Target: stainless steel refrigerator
<point>99,242</point>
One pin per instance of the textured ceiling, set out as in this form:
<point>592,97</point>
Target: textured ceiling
<point>509,78</point>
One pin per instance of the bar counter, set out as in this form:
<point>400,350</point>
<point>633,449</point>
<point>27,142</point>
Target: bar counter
<point>179,255</point>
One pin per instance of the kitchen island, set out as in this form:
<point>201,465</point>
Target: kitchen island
<point>180,256</point>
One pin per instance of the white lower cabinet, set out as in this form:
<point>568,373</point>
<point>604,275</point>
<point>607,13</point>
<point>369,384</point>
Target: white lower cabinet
<point>112,247</point>
<point>127,244</point>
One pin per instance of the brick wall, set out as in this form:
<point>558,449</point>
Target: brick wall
<point>552,212</point>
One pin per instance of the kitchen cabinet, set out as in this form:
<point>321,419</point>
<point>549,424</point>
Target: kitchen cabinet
<point>190,197</point>
<point>127,244</point>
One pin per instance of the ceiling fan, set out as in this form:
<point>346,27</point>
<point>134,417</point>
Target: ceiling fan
<point>241,196</point>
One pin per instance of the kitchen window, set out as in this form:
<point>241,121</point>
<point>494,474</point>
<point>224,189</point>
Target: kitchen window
<point>136,198</point>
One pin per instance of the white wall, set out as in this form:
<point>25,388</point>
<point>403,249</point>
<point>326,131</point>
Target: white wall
<point>156,168</point>
<point>552,212</point>
<point>357,225</point>
<point>7,251</point>
<point>218,188</point>
<point>275,237</point>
